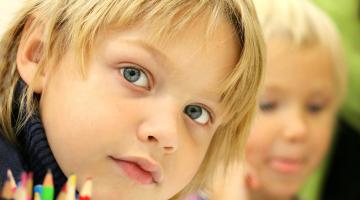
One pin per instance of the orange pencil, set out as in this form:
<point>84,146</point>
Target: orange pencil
<point>62,194</point>
<point>86,191</point>
<point>7,191</point>
<point>29,186</point>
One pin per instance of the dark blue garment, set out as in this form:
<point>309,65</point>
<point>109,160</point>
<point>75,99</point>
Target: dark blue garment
<point>342,178</point>
<point>32,152</point>
<point>10,158</point>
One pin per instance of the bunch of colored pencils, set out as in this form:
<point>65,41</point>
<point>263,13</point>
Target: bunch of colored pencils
<point>24,189</point>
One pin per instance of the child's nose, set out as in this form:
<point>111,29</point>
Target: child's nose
<point>161,127</point>
<point>296,127</point>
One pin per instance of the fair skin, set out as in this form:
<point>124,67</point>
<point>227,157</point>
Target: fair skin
<point>142,119</point>
<point>293,127</point>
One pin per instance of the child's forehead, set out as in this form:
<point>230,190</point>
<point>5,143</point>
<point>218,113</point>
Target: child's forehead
<point>284,53</point>
<point>301,73</point>
<point>191,37</point>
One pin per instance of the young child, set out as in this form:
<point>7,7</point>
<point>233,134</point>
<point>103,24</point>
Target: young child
<point>138,95</point>
<point>303,89</point>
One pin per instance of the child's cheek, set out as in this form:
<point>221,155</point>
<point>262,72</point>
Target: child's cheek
<point>260,141</point>
<point>255,148</point>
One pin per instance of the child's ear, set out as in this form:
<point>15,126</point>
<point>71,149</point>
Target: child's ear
<point>29,54</point>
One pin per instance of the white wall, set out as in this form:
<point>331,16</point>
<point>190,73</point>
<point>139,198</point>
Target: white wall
<point>7,11</point>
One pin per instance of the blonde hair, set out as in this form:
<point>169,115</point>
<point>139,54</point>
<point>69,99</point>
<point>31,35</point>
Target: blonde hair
<point>304,25</point>
<point>74,25</point>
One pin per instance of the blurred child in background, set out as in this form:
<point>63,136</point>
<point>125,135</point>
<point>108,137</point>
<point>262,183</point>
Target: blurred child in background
<point>303,89</point>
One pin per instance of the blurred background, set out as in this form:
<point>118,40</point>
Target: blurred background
<point>7,11</point>
<point>339,176</point>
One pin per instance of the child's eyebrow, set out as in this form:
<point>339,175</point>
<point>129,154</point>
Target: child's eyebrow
<point>273,88</point>
<point>325,91</point>
<point>210,95</point>
<point>155,52</point>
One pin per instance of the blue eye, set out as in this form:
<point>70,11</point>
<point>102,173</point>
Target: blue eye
<point>135,76</point>
<point>197,113</point>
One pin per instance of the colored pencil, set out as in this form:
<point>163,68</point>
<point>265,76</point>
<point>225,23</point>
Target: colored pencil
<point>46,191</point>
<point>37,196</point>
<point>29,186</point>
<point>7,191</point>
<point>12,180</point>
<point>62,194</point>
<point>71,187</point>
<point>86,191</point>
<point>38,189</point>
<point>20,193</point>
<point>48,187</point>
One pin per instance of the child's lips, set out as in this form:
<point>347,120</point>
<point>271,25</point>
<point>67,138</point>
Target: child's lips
<point>141,170</point>
<point>286,165</point>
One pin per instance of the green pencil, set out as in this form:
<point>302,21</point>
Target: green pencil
<point>48,187</point>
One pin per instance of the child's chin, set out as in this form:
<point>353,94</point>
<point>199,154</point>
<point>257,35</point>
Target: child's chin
<point>123,196</point>
<point>123,191</point>
<point>282,189</point>
<point>110,194</point>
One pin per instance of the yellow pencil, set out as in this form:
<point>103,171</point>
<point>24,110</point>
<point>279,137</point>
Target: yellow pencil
<point>70,188</point>
<point>37,196</point>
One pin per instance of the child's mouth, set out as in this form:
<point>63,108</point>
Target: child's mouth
<point>139,169</point>
<point>288,166</point>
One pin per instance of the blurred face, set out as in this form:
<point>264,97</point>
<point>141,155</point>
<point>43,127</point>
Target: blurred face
<point>141,120</point>
<point>295,118</point>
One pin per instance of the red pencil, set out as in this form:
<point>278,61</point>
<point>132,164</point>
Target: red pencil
<point>86,191</point>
